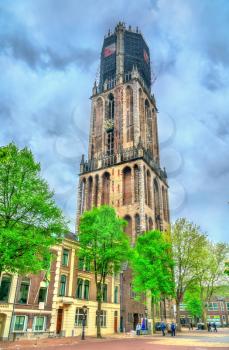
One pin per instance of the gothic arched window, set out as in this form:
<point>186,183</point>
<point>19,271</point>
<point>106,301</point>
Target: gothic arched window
<point>137,225</point>
<point>136,183</point>
<point>89,192</point>
<point>127,189</point>
<point>111,107</point>
<point>165,204</point>
<point>142,116</point>
<point>129,114</point>
<point>157,204</point>
<point>150,224</point>
<point>96,193</point>
<point>97,126</point>
<point>105,188</point>
<point>83,189</point>
<point>149,193</point>
<point>128,228</point>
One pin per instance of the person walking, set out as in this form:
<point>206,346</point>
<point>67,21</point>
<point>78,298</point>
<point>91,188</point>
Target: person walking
<point>173,329</point>
<point>209,327</point>
<point>138,328</point>
<point>163,328</point>
<point>214,327</point>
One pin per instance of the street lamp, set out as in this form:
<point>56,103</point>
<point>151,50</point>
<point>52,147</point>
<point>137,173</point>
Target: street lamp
<point>146,314</point>
<point>84,321</point>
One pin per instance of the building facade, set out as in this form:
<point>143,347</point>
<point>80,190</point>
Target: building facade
<point>217,311</point>
<point>51,304</point>
<point>123,166</point>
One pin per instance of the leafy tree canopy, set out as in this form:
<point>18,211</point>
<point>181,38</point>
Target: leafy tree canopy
<point>152,265</point>
<point>193,302</point>
<point>104,243</point>
<point>30,221</point>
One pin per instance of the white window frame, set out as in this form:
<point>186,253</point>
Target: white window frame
<point>103,316</point>
<point>24,326</point>
<point>44,324</point>
<point>77,314</point>
<point>46,297</point>
<point>27,301</point>
<point>66,282</point>
<point>212,307</point>
<point>65,249</point>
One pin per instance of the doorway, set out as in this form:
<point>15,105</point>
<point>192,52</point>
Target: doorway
<point>136,320</point>
<point>2,324</point>
<point>116,321</point>
<point>59,321</point>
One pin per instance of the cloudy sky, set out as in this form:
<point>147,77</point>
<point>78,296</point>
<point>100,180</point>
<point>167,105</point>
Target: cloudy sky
<point>49,58</point>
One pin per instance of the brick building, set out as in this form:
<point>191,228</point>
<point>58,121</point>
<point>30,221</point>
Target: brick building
<point>51,304</point>
<point>217,311</point>
<point>123,166</point>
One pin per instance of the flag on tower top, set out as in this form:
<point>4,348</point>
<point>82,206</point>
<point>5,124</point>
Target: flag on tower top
<point>109,50</point>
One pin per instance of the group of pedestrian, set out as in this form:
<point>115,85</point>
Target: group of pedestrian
<point>172,328</point>
<point>212,326</point>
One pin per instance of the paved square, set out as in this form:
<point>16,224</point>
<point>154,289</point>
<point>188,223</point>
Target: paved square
<point>195,340</point>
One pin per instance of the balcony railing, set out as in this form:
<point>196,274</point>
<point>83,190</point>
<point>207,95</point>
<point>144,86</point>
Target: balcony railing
<point>125,155</point>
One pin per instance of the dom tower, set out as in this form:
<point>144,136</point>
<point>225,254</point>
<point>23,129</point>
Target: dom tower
<point>123,166</point>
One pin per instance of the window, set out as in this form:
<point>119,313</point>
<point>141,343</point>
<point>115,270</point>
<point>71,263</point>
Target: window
<point>182,307</point>
<point>80,263</point>
<point>63,281</point>
<point>79,317</point>
<point>5,288</point>
<point>65,257</point>
<point>24,291</point>
<point>110,142</point>
<point>42,295</point>
<point>213,306</point>
<point>79,288</point>
<point>39,323</point>
<point>103,318</point>
<point>132,293</point>
<point>111,107</point>
<point>87,265</point>
<point>104,293</point>
<point>222,306</point>
<point>86,289</point>
<point>19,324</point>
<point>116,295</point>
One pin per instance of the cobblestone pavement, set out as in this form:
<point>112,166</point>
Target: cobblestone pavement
<point>193,340</point>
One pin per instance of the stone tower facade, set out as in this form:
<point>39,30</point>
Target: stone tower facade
<point>123,166</point>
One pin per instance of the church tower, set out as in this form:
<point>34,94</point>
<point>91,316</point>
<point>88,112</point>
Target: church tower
<point>123,166</point>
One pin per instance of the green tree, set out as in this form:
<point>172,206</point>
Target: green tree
<point>106,246</point>
<point>30,221</point>
<point>193,302</point>
<point>153,268</point>
<point>188,245</point>
<point>211,273</point>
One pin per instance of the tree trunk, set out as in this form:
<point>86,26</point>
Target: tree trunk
<point>178,315</point>
<point>99,305</point>
<point>153,317</point>
<point>204,317</point>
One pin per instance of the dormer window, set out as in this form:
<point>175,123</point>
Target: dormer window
<point>111,107</point>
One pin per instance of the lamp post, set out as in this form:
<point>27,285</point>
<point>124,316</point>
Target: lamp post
<point>84,321</point>
<point>146,314</point>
